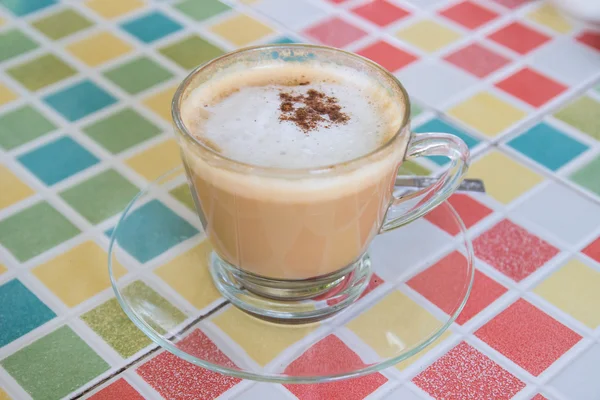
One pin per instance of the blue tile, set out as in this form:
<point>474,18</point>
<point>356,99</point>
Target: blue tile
<point>285,40</point>
<point>20,311</point>
<point>79,100</point>
<point>437,125</point>
<point>57,160</point>
<point>548,146</point>
<point>151,230</point>
<point>24,7</point>
<point>151,27</point>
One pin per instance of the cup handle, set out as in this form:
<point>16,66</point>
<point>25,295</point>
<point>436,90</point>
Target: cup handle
<point>431,144</point>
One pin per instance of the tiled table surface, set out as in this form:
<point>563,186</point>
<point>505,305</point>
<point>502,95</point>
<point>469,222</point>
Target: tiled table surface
<point>84,124</point>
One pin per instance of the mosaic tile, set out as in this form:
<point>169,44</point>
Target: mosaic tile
<point>138,75</point>
<point>260,344</point>
<point>412,168</point>
<point>440,283</point>
<point>477,59</point>
<point>587,176</point>
<point>12,188</point>
<point>151,230</point>
<point>6,95</point>
<point>64,362</point>
<point>574,288</point>
<point>121,130</point>
<point>14,43</point>
<point>22,125</point>
<point>505,179</point>
<point>201,11</point>
<point>160,103</point>
<point>469,210</point>
<point>291,13</point>
<point>119,389</point>
<point>592,250</point>
<point>548,16</point>
<point>519,37</point>
<point>512,3</point>
<point>380,12</point>
<point>507,247</point>
<point>529,337</point>
<point>387,55</point>
<point>99,48</point>
<point>77,274</point>
<point>438,125</point>
<point>57,160</point>
<point>466,373</point>
<point>581,114</point>
<point>41,72</point>
<point>156,161</point>
<point>330,353</point>
<point>189,276</point>
<point>183,194</point>
<point>177,379</point>
<point>531,87</point>
<point>578,380</point>
<point>34,230</point>
<point>79,100</point>
<point>191,51</point>
<point>62,24</point>
<point>114,8</point>
<point>21,8</point>
<point>4,395</point>
<point>589,38</point>
<point>374,282</point>
<point>100,196</point>
<point>469,14</point>
<point>241,29</point>
<point>151,27</point>
<point>21,311</point>
<point>335,32</point>
<point>428,35</point>
<point>3,269</point>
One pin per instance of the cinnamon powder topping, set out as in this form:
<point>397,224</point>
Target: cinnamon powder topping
<point>312,110</point>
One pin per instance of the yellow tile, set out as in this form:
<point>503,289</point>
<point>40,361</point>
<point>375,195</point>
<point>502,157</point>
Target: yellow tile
<point>99,48</point>
<point>550,17</point>
<point>487,113</point>
<point>505,179</point>
<point>6,95</point>
<point>575,289</point>
<point>157,160</point>
<point>428,35</point>
<point>248,1</point>
<point>263,341</point>
<point>160,103</point>
<point>189,276</point>
<point>2,21</point>
<point>411,360</point>
<point>2,270</point>
<point>241,29</point>
<point>3,394</point>
<point>12,188</point>
<point>77,274</point>
<point>114,8</point>
<point>393,325</point>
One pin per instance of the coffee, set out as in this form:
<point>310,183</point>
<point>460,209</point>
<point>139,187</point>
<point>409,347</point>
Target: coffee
<point>292,118</point>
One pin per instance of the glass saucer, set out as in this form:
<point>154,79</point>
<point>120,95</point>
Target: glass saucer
<point>422,274</point>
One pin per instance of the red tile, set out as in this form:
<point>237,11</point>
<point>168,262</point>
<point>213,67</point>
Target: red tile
<point>519,38</point>
<point>442,282</point>
<point>469,14</point>
<point>331,355</point>
<point>388,56</point>
<point>538,397</point>
<point>467,374</point>
<point>469,210</point>
<point>528,336</point>
<point>478,60</point>
<point>120,389</point>
<point>513,250</point>
<point>593,250</point>
<point>380,12</point>
<point>531,87</point>
<point>335,32</point>
<point>512,3</point>
<point>337,1</point>
<point>590,38</point>
<point>176,379</point>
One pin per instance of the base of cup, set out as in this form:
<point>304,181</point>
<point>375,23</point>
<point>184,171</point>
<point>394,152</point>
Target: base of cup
<point>291,301</point>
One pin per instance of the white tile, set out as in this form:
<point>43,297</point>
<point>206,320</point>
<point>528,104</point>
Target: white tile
<point>580,380</point>
<point>265,391</point>
<point>402,393</point>
<point>434,82</point>
<point>563,212</point>
<point>567,61</point>
<point>290,13</point>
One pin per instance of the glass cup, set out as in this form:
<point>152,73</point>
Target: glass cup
<point>286,241</point>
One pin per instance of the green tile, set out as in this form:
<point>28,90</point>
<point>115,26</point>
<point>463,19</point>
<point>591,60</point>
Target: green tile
<point>583,114</point>
<point>41,72</point>
<point>110,323</point>
<point>21,126</point>
<point>13,43</point>
<point>588,176</point>
<point>191,51</point>
<point>138,75</point>
<point>34,230</point>
<point>412,168</point>
<point>55,365</point>
<point>121,130</point>
<point>415,109</point>
<point>61,24</point>
<point>201,10</point>
<point>101,196</point>
<point>183,194</point>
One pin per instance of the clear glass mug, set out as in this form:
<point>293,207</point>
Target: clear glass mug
<point>282,237</point>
